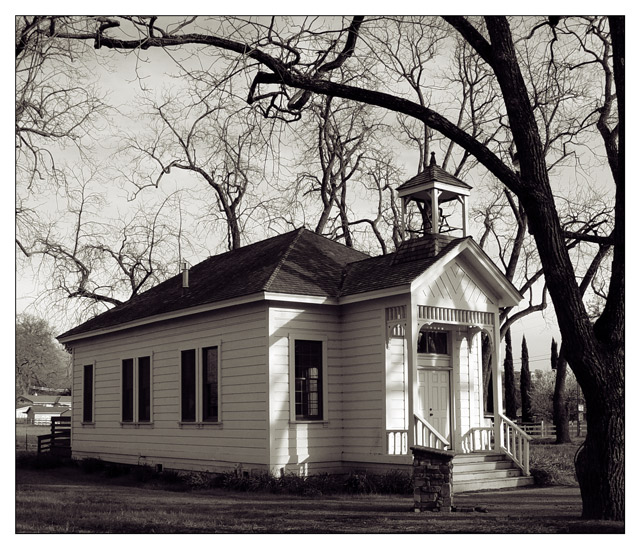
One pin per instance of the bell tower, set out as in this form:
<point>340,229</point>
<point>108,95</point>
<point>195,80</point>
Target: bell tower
<point>441,200</point>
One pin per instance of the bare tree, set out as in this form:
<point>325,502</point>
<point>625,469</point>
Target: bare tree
<point>206,137</point>
<point>54,114</point>
<point>87,258</point>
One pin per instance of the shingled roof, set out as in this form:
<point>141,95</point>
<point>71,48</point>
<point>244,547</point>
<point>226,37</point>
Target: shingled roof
<point>299,262</point>
<point>432,174</point>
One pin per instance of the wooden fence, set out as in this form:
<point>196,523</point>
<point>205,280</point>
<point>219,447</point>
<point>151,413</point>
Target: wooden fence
<point>57,442</point>
<point>544,429</point>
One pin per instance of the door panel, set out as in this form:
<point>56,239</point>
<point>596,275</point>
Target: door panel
<point>434,399</point>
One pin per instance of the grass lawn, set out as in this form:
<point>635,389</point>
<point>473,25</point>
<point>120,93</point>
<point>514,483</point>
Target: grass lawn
<point>68,500</point>
<point>552,464</point>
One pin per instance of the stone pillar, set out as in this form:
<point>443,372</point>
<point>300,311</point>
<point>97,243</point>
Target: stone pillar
<point>432,479</point>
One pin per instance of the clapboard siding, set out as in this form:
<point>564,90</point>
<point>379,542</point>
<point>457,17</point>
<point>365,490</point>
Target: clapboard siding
<point>363,379</point>
<point>476,412</point>
<point>242,435</point>
<point>396,384</point>
<point>308,443</point>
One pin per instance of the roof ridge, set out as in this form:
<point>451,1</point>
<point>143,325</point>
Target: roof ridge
<point>284,257</point>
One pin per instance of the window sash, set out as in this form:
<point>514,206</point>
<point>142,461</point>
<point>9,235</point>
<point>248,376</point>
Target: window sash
<point>188,385</point>
<point>433,342</point>
<point>210,384</point>
<point>144,389</point>
<point>87,394</point>
<point>308,368</point>
<point>127,390</point>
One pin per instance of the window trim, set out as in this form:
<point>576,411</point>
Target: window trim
<point>93,393</point>
<point>200,383</point>
<point>136,390</point>
<point>307,336</point>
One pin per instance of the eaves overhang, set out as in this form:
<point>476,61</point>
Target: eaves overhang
<point>181,313</point>
<point>375,294</point>
<point>215,306</point>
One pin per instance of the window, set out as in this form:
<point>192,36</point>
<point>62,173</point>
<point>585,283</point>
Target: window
<point>127,390</point>
<point>430,341</point>
<point>210,384</point>
<point>87,394</point>
<point>200,388</point>
<point>144,388</point>
<point>136,390</point>
<point>308,374</point>
<point>188,385</point>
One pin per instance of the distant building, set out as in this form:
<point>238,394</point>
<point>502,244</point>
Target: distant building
<point>41,415</point>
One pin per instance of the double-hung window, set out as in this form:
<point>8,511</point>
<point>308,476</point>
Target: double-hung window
<point>308,374</point>
<point>200,385</point>
<point>87,393</point>
<point>136,390</point>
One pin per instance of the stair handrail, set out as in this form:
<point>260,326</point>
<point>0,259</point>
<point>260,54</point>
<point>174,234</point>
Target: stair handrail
<point>520,457</point>
<point>468,440</point>
<point>431,429</point>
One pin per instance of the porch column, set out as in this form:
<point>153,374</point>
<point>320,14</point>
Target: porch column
<point>435,214</point>
<point>412,359</point>
<point>465,216</point>
<point>497,386</point>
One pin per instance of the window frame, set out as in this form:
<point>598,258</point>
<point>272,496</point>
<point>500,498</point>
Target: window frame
<point>90,421</point>
<point>324,388</point>
<point>135,391</point>
<point>200,385</point>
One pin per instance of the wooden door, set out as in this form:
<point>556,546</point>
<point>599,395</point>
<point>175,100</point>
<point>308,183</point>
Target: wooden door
<point>434,399</point>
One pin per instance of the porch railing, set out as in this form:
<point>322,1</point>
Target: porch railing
<point>426,435</point>
<point>397,443</point>
<point>515,442</point>
<point>478,439</point>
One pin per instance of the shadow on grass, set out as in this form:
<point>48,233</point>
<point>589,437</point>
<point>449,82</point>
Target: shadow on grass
<point>65,500</point>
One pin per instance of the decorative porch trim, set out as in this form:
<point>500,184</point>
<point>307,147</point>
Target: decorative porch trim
<point>395,322</point>
<point>455,316</point>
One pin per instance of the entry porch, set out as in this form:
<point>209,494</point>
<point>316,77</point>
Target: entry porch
<point>435,390</point>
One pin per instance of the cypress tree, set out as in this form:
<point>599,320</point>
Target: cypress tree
<point>525,384</point>
<point>510,394</point>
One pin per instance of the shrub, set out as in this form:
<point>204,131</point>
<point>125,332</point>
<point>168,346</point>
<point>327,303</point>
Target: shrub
<point>394,482</point>
<point>92,465</point>
<point>115,470</point>
<point>201,479</point>
<point>40,461</point>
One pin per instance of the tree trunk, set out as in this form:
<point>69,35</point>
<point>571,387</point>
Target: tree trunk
<point>560,415</point>
<point>600,461</point>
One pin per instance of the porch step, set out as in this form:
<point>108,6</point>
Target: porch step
<point>486,471</point>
